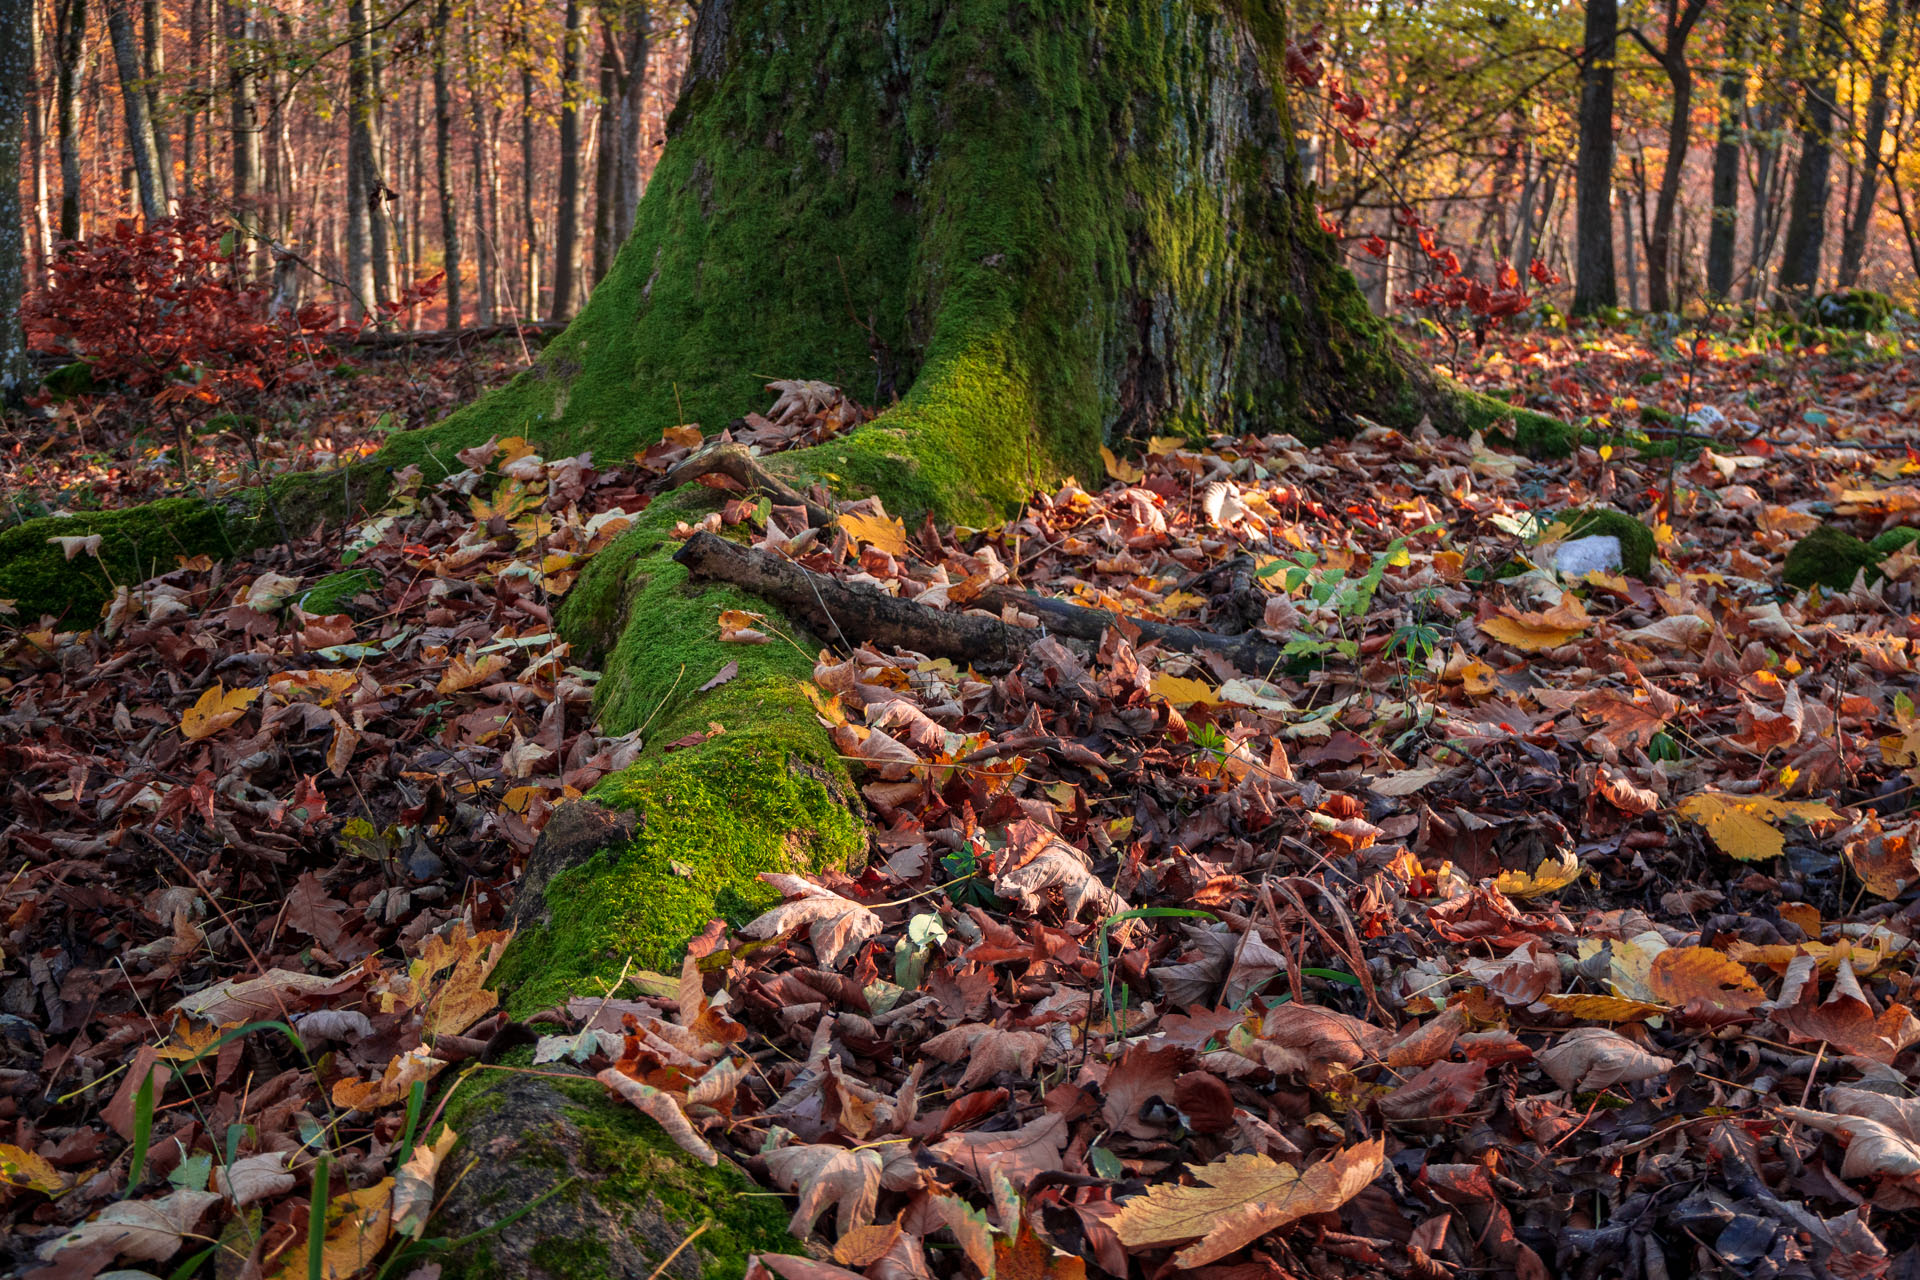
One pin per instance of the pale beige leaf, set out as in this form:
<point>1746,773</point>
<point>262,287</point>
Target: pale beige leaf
<point>255,1177</point>
<point>1241,1198</point>
<point>146,1230</point>
<point>413,1184</point>
<point>837,925</point>
<point>1593,1058</point>
<point>1059,866</point>
<point>827,1177</point>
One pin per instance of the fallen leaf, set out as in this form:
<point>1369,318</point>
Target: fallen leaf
<point>665,1110</point>
<point>1682,975</point>
<point>217,709</point>
<point>359,1225</point>
<point>1549,877</point>
<point>141,1230</point>
<point>1241,1198</point>
<point>827,1177</point>
<point>884,532</point>
<point>1592,1058</point>
<point>837,926</point>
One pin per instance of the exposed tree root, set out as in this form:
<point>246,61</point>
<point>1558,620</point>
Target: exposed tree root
<point>837,610</point>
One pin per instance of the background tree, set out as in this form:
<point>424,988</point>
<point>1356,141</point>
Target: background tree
<point>1593,224</point>
<point>16,69</point>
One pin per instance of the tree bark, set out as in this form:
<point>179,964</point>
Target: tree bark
<point>244,104</point>
<point>16,83</point>
<point>1672,57</point>
<point>1724,232</point>
<point>443,163</point>
<point>153,65</point>
<point>37,149</point>
<point>70,53</point>
<point>529,223</point>
<point>1043,225</point>
<point>1807,211</point>
<point>566,223</point>
<point>1853,242</point>
<point>1593,283</point>
<point>627,127</point>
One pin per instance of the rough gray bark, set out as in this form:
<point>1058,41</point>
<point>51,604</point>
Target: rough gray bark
<point>530,225</point>
<point>16,67</point>
<point>624,132</point>
<point>1593,282</point>
<point>37,145</point>
<point>243,97</point>
<point>1806,231</point>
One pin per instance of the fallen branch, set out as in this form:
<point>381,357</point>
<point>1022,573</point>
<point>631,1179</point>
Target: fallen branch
<point>737,462</point>
<point>850,614</point>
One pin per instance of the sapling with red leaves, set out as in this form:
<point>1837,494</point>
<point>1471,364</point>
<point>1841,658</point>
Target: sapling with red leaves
<point>1458,304</point>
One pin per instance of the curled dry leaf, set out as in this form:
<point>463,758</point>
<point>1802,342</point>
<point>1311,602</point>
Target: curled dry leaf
<point>1059,866</point>
<point>838,926</point>
<point>1551,876</point>
<point>665,1110</point>
<point>1589,1058</point>
<point>254,1177</point>
<point>827,1177</point>
<point>1241,1198</point>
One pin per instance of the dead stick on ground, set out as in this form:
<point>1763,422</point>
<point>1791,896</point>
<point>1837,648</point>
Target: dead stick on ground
<point>826,603</point>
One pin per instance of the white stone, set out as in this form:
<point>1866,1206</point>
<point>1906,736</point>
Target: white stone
<point>1597,553</point>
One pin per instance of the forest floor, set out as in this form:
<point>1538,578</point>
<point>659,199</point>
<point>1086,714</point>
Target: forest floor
<point>1518,924</point>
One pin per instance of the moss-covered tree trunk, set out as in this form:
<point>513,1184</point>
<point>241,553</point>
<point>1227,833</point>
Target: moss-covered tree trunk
<point>1037,223</point>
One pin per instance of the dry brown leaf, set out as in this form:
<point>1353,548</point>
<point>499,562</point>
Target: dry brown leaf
<point>470,670</point>
<point>461,998</point>
<point>988,1051</point>
<point>413,1184</point>
<point>1680,975</point>
<point>838,926</point>
<point>1592,1058</point>
<point>1535,630</point>
<point>1241,1198</point>
<point>1881,1133</point>
<point>665,1109</point>
<point>140,1230</point>
<point>864,1246</point>
<point>1603,1008</point>
<point>1887,862</point>
<point>1063,867</point>
<point>827,1177</point>
<point>254,1177</point>
<point>1018,1155</point>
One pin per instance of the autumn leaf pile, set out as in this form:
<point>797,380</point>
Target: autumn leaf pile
<point>1511,924</point>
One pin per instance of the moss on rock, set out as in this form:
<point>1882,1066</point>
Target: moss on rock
<point>1636,540</point>
<point>611,1195</point>
<point>1895,539</point>
<point>1829,557</point>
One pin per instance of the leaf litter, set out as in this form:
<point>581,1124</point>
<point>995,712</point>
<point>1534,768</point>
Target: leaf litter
<point>1511,925</point>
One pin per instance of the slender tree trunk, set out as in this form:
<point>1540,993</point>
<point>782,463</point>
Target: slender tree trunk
<point>380,196</point>
<point>16,85</point>
<point>70,41</point>
<point>416,177</point>
<point>530,287</point>
<point>153,66</point>
<point>1593,285</point>
<point>483,257</point>
<point>1853,243</point>
<point>603,165</point>
<point>37,149</point>
<point>360,193</point>
<point>443,162</point>
<point>1724,234</point>
<point>243,88</point>
<point>190,118</point>
<point>1672,57</point>
<point>1629,250</point>
<point>566,226</point>
<point>1807,212</point>
<point>628,130</point>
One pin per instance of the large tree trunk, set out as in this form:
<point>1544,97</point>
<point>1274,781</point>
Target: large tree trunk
<point>70,54</point>
<point>1593,284</point>
<point>1040,225</point>
<point>1672,57</point>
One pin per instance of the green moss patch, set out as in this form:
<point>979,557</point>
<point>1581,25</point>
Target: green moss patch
<point>1829,557</point>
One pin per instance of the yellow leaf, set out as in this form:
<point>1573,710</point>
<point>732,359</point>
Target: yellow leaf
<point>1241,1198</point>
<point>1535,630</point>
<point>1124,472</point>
<point>216,709</point>
<point>461,998</point>
<point>358,1227</point>
<point>686,436</point>
<point>470,670</point>
<point>1181,691</point>
<point>884,532</point>
<point>1477,679</point>
<point>1602,1008</point>
<point>21,1169</point>
<point>1742,826</point>
<point>1549,876</point>
<point>1161,446</point>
